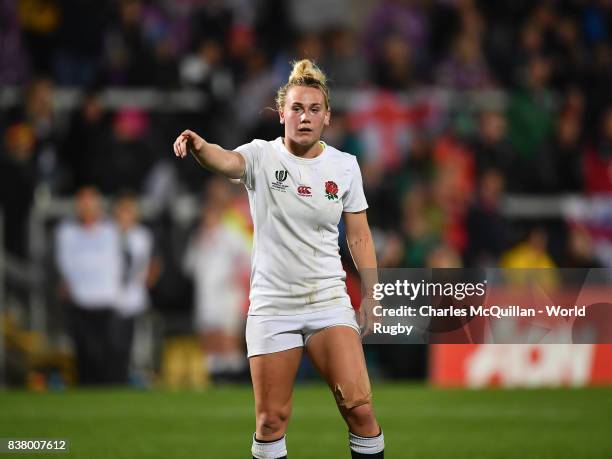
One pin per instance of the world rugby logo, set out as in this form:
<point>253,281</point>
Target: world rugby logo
<point>281,176</point>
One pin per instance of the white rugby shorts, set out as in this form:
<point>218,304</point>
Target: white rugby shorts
<point>268,334</point>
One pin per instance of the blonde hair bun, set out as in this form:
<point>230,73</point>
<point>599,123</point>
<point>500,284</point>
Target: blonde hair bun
<point>305,73</point>
<point>306,70</point>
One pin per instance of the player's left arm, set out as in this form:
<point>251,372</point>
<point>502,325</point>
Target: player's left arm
<point>361,246</point>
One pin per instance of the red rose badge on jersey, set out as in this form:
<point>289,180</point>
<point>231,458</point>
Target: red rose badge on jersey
<point>331,190</point>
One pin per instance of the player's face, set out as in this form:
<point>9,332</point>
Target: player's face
<point>304,115</point>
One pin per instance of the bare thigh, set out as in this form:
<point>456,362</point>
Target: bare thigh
<point>337,354</point>
<point>273,378</point>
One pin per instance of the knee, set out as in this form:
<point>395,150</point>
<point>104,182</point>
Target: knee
<point>272,423</point>
<point>362,421</point>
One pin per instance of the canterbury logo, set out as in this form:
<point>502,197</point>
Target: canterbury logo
<point>281,176</point>
<point>304,190</point>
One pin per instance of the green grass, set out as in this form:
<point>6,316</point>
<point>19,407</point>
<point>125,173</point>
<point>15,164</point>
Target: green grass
<point>419,422</point>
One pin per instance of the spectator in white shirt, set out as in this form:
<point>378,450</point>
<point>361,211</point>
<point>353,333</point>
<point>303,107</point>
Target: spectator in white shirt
<point>89,261</point>
<point>136,242</point>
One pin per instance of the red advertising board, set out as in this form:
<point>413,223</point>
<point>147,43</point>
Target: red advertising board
<point>520,365</point>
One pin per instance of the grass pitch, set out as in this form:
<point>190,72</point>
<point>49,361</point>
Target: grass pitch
<point>419,422</point>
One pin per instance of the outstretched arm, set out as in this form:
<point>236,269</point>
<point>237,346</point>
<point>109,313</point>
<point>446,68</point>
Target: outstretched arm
<point>361,246</point>
<point>213,157</point>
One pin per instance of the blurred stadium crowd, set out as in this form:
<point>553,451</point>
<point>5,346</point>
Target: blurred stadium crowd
<point>449,105</point>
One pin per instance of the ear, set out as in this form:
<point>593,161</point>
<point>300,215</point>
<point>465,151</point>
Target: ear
<point>327,118</point>
<point>281,115</point>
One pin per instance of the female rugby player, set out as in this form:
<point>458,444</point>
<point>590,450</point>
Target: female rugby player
<point>298,189</point>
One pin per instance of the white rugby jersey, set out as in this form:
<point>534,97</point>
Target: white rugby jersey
<point>296,205</point>
<point>211,258</point>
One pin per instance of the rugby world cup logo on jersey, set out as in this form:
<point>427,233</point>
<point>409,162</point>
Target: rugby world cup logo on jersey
<point>281,176</point>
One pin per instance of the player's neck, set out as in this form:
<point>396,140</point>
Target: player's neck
<point>303,151</point>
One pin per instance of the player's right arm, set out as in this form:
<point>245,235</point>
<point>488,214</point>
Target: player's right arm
<point>211,156</point>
